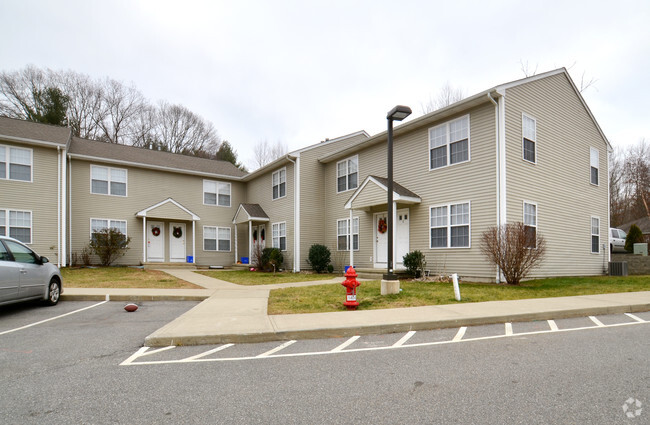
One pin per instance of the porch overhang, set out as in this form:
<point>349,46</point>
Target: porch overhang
<point>373,192</point>
<point>250,213</point>
<point>169,210</point>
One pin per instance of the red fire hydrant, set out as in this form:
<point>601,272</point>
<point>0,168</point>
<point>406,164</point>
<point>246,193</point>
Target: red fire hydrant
<point>351,284</point>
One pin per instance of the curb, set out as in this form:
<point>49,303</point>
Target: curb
<point>133,298</point>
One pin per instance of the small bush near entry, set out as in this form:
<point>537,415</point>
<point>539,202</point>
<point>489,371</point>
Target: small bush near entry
<point>271,259</point>
<point>108,245</point>
<point>319,258</point>
<point>635,235</point>
<point>415,262</point>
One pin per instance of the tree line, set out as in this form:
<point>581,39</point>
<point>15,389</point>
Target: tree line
<point>629,183</point>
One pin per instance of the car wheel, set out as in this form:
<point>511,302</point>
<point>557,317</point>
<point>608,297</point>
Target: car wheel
<point>53,292</point>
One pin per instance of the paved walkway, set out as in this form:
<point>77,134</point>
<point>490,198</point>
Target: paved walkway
<point>237,313</point>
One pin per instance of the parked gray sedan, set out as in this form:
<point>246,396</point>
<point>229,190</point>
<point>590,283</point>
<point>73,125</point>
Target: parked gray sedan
<point>25,275</point>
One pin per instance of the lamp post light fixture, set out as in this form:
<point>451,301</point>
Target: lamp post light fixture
<point>398,113</point>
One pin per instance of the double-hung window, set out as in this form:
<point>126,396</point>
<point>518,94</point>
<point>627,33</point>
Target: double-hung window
<point>595,235</point>
<point>450,226</point>
<point>108,181</point>
<point>279,179</point>
<point>15,163</point>
<point>449,143</point>
<point>593,159</point>
<point>347,174</point>
<point>529,130</point>
<point>216,238</point>
<point>16,224</point>
<point>99,224</point>
<point>216,193</point>
<point>530,224</point>
<point>343,233</point>
<point>279,235</point>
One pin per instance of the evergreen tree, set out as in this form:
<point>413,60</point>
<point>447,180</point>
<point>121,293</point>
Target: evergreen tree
<point>227,153</point>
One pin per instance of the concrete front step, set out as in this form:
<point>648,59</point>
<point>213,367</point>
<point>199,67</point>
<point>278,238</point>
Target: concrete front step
<point>377,274</point>
<point>150,266</point>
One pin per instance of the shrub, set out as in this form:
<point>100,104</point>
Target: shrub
<point>319,258</point>
<point>271,259</point>
<point>514,250</point>
<point>108,245</point>
<point>415,262</point>
<point>635,235</point>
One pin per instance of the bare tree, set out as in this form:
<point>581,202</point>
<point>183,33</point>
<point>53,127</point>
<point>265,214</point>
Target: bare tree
<point>19,90</point>
<point>121,106</point>
<point>447,95</point>
<point>618,190</point>
<point>180,130</point>
<point>85,103</point>
<point>265,153</point>
<point>637,177</point>
<point>514,250</point>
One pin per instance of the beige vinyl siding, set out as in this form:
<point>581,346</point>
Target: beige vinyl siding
<point>260,191</point>
<point>473,181</point>
<point>559,182</point>
<point>313,205</point>
<point>38,196</point>
<point>371,195</point>
<point>146,188</point>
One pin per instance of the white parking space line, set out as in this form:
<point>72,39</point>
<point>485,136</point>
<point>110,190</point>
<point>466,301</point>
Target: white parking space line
<point>143,351</point>
<point>345,344</point>
<point>207,353</point>
<point>596,321</point>
<point>405,338</point>
<point>508,329</point>
<point>632,316</point>
<point>460,334</point>
<point>52,318</point>
<point>276,349</point>
<point>553,325</point>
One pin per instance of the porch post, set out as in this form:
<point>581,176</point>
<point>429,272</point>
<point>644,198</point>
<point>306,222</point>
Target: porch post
<point>194,241</point>
<point>250,242</point>
<point>235,243</point>
<point>394,224</point>
<point>144,239</point>
<point>351,241</point>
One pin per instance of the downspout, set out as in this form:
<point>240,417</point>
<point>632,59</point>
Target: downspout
<point>499,108</point>
<point>64,210</point>
<point>58,206</point>
<point>70,205</point>
<point>296,213</point>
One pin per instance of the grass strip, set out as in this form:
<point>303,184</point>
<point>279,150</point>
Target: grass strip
<point>245,277</point>
<point>121,277</point>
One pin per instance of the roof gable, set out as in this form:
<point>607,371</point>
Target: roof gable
<point>374,191</point>
<point>249,212</point>
<point>168,209</point>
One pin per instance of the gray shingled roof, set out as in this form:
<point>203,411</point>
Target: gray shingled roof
<point>148,158</point>
<point>28,130</point>
<point>254,210</point>
<point>397,188</point>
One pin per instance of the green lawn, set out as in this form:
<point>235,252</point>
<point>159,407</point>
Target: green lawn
<point>121,277</point>
<point>326,298</point>
<point>245,277</point>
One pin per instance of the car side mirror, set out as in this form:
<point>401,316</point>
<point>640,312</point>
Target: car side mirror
<point>44,260</point>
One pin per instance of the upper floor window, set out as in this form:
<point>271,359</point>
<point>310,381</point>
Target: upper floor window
<point>216,193</point>
<point>279,235</point>
<point>449,143</point>
<point>279,179</point>
<point>15,163</point>
<point>108,181</point>
<point>216,238</point>
<point>347,174</point>
<point>593,159</point>
<point>529,130</point>
<point>97,224</point>
<point>343,232</point>
<point>16,224</point>
<point>450,226</point>
<point>530,224</point>
<point>595,235</point>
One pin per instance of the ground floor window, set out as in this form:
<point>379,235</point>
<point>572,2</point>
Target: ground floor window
<point>279,235</point>
<point>343,232</point>
<point>216,238</point>
<point>449,226</point>
<point>530,224</point>
<point>16,224</point>
<point>595,235</point>
<point>98,224</point>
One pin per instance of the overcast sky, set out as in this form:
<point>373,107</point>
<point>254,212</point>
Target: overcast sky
<point>303,71</point>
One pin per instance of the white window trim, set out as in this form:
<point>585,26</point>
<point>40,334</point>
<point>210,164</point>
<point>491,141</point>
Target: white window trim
<point>8,162</point>
<point>203,192</point>
<point>591,151</point>
<point>31,223</point>
<point>347,173</point>
<point>349,240</point>
<point>286,245</point>
<point>523,218</point>
<point>591,228</point>
<point>279,183</point>
<point>447,125</point>
<point>449,226</point>
<point>126,183</point>
<point>126,225</point>
<point>523,156</point>
<point>217,239</point>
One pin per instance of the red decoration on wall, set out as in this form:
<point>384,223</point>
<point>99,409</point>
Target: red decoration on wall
<point>155,231</point>
<point>382,226</point>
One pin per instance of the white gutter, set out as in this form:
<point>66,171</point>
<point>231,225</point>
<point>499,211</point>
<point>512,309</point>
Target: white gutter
<point>499,109</point>
<point>64,209</point>
<point>58,206</point>
<point>296,212</point>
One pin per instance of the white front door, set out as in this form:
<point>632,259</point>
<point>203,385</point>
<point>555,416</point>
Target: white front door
<point>381,239</point>
<point>401,240</point>
<point>261,231</point>
<point>177,242</point>
<point>155,241</point>
<point>402,247</point>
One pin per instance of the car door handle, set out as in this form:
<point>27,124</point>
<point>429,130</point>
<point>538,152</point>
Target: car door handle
<point>23,271</point>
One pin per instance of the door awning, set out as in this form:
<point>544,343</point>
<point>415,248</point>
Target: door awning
<point>373,192</point>
<point>169,210</point>
<point>249,212</point>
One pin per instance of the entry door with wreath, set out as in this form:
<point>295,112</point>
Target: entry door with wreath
<point>177,242</point>
<point>155,241</point>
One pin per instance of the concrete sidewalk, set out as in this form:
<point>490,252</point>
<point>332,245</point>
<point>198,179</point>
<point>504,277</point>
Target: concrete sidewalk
<point>237,313</point>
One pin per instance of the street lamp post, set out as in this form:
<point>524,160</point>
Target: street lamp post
<point>398,113</point>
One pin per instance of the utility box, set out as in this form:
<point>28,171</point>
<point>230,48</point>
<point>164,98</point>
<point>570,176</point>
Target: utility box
<point>618,268</point>
<point>641,249</point>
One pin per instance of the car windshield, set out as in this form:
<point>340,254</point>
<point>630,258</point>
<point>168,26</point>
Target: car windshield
<point>622,234</point>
